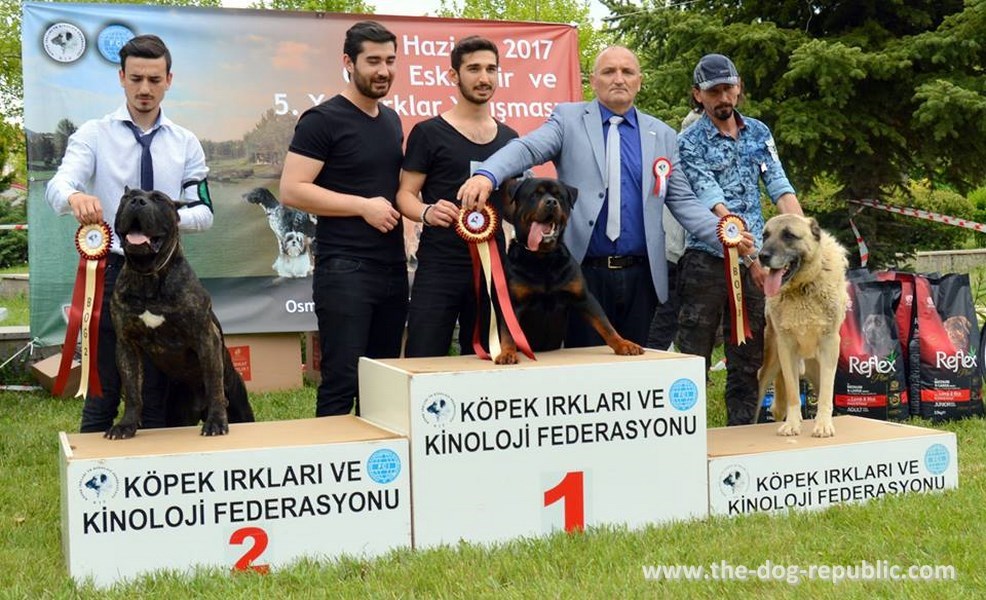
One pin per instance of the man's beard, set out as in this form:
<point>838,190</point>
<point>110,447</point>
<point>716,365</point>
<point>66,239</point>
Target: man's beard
<point>468,95</point>
<point>723,113</point>
<point>365,86</point>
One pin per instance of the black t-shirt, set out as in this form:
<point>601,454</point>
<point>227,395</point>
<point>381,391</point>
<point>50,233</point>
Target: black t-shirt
<point>362,156</point>
<point>447,158</point>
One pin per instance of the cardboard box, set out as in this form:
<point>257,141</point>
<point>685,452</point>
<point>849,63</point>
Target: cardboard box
<point>752,469</point>
<point>268,362</point>
<point>313,358</point>
<point>261,497</point>
<point>578,438</point>
<point>45,371</point>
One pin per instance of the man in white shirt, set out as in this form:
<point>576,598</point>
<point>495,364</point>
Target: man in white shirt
<point>135,146</point>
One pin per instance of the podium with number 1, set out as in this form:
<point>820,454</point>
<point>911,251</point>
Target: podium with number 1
<point>578,438</point>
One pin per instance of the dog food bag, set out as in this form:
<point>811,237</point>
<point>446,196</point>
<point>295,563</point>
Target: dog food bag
<point>870,380</point>
<point>766,416</point>
<point>907,329</point>
<point>951,384</point>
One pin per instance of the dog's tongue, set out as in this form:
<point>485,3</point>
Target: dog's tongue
<point>536,235</point>
<point>137,238</point>
<point>772,282</point>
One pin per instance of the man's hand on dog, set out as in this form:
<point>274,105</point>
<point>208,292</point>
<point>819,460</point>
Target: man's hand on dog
<point>443,214</point>
<point>380,214</point>
<point>87,209</point>
<point>475,191</point>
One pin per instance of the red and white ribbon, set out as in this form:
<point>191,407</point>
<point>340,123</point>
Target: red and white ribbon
<point>93,243</point>
<point>923,214</point>
<point>662,171</point>
<point>917,213</point>
<point>730,233</point>
<point>477,228</point>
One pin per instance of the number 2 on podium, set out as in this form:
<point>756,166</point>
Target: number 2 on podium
<point>571,489</point>
<point>259,537</point>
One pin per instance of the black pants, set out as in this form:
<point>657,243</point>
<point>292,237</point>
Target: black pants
<point>441,295</point>
<point>361,309</point>
<point>703,292</point>
<point>98,412</point>
<point>664,326</point>
<point>628,299</point>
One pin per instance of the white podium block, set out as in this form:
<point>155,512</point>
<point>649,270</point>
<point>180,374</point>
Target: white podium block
<point>578,438</point>
<point>261,497</point>
<point>752,469</point>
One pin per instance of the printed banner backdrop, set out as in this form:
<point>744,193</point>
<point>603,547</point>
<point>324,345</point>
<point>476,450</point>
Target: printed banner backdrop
<point>241,78</point>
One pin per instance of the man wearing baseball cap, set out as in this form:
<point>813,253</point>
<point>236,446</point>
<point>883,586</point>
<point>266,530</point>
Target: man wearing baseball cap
<point>725,157</point>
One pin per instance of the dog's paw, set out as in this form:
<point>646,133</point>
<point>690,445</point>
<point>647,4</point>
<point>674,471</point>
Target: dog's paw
<point>506,357</point>
<point>215,426</point>
<point>121,431</point>
<point>627,348</point>
<point>823,428</point>
<point>789,429</point>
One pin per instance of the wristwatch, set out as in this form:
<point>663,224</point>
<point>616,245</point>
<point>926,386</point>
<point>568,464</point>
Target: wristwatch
<point>749,259</point>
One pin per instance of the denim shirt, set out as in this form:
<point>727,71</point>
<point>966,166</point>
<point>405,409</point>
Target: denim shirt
<point>721,169</point>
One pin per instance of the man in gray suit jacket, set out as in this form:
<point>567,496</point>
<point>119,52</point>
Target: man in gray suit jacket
<point>624,267</point>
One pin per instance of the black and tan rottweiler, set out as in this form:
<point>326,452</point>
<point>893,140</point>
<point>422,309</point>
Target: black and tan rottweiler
<point>162,312</point>
<point>543,278</point>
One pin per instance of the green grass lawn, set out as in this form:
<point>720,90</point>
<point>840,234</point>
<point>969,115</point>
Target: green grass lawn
<point>936,529</point>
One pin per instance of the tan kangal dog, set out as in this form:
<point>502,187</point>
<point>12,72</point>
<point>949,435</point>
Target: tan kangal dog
<point>806,303</point>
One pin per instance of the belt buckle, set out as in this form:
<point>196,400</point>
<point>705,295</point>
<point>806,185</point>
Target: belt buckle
<point>611,262</point>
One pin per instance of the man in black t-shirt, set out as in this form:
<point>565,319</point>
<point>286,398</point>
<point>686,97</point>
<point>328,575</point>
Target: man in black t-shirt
<point>344,166</point>
<point>441,154</point>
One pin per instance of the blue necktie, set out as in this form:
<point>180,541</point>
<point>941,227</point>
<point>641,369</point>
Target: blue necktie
<point>146,163</point>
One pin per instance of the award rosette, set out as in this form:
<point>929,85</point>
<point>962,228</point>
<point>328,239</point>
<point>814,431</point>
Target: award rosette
<point>93,243</point>
<point>477,228</point>
<point>730,233</point>
<point>662,170</point>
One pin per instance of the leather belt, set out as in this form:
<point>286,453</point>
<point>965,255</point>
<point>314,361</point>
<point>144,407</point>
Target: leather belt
<point>614,262</point>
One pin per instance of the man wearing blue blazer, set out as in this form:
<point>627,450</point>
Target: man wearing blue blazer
<point>623,263</point>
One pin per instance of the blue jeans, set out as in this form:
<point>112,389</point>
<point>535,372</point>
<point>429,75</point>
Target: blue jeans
<point>361,308</point>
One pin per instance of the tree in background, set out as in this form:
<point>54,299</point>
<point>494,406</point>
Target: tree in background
<point>12,142</point>
<point>591,40</point>
<point>338,6</point>
<point>866,95</point>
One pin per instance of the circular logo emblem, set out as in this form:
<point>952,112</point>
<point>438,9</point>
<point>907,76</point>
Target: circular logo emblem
<point>111,39</point>
<point>64,42</point>
<point>475,226</point>
<point>99,484</point>
<point>383,466</point>
<point>936,459</point>
<point>662,167</point>
<point>684,394</point>
<point>438,409</point>
<point>476,220</point>
<point>93,240</point>
<point>733,481</point>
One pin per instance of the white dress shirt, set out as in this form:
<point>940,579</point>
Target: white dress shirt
<point>102,157</point>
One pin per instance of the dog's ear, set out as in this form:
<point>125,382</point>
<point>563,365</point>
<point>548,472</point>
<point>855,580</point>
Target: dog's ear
<point>511,190</point>
<point>573,194</point>
<point>816,231</point>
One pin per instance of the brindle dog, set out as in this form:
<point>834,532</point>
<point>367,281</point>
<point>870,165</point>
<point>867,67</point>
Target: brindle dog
<point>163,313</point>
